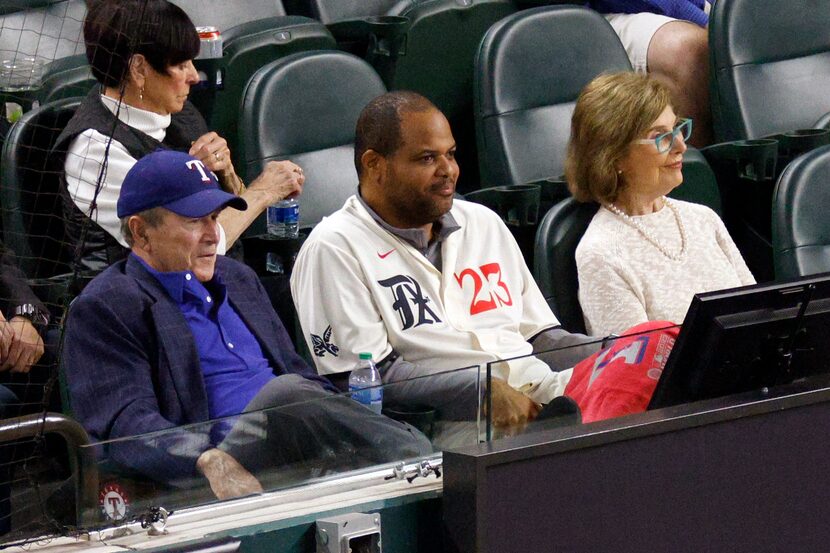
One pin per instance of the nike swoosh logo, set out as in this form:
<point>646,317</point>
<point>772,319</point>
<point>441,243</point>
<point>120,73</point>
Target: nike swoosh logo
<point>383,255</point>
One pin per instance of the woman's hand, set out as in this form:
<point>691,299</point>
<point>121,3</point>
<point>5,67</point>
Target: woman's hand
<point>212,150</point>
<point>279,180</point>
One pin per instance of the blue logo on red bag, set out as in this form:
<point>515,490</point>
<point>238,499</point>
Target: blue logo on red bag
<point>632,354</point>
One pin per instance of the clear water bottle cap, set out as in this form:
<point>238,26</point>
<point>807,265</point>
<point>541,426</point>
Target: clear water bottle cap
<point>364,355</point>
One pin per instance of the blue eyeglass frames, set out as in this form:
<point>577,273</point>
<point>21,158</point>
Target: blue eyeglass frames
<point>664,142</point>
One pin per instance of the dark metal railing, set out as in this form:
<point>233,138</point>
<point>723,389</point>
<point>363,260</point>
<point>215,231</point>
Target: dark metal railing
<point>80,458</point>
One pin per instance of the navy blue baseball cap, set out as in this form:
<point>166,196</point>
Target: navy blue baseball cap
<point>176,181</point>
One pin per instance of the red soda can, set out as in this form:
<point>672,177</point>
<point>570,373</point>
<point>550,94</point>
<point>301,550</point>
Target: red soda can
<point>210,43</point>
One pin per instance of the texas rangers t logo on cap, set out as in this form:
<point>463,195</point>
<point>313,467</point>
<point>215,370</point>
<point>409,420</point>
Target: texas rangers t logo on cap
<point>200,166</point>
<point>175,181</point>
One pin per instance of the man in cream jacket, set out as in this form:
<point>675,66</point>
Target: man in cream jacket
<point>425,282</point>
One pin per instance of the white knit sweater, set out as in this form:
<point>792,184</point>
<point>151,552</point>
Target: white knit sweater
<point>625,280</point>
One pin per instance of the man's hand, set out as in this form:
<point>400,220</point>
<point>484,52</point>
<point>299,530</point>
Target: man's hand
<point>20,344</point>
<point>511,408</point>
<point>228,479</point>
<point>279,180</point>
<point>212,150</point>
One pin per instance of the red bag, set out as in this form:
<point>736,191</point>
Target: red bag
<point>621,378</point>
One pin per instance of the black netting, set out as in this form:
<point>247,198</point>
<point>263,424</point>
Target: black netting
<point>36,484</point>
<point>53,234</point>
<point>43,75</point>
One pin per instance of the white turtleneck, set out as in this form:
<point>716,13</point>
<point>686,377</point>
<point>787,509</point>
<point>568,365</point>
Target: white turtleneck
<point>86,155</point>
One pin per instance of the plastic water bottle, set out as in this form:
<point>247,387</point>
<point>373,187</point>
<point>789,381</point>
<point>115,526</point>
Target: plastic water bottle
<point>365,375</point>
<point>283,219</point>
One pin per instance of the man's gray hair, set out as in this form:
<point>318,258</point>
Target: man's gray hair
<point>153,217</point>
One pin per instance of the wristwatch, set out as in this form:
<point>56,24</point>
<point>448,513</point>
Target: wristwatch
<point>30,311</point>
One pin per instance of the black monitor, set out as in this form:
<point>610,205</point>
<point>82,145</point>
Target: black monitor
<point>748,338</point>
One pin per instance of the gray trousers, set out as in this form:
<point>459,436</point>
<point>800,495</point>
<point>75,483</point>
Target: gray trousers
<point>293,426</point>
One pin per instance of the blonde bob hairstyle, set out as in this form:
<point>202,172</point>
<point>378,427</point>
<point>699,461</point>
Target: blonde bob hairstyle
<point>612,111</point>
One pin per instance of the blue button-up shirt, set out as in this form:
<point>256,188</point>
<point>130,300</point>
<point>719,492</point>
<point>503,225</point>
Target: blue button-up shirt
<point>232,361</point>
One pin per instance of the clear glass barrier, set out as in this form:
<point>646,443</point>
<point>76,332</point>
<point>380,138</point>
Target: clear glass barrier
<point>276,448</point>
<point>558,399</point>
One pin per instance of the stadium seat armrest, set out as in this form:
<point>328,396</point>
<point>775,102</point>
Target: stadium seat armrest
<point>386,27</point>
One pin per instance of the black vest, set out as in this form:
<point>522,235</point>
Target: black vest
<point>93,247</point>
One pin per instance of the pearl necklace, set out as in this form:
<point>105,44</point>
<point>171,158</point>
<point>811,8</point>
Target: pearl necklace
<point>648,235</point>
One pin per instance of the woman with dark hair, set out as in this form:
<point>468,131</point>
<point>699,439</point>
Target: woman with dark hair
<point>141,53</point>
<point>644,255</point>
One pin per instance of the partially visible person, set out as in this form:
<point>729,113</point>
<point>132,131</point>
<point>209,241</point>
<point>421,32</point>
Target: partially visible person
<point>668,39</point>
<point>22,318</point>
<point>425,282</point>
<point>141,53</point>
<point>176,334</point>
<point>644,255</point>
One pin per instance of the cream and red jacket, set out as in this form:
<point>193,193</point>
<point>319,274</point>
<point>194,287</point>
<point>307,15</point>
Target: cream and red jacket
<point>358,288</point>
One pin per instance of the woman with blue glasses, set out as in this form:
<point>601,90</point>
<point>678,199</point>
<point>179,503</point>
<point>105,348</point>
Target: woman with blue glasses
<point>643,255</point>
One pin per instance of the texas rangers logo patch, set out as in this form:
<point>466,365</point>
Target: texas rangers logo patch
<point>323,345</point>
<point>409,301</point>
<point>113,501</point>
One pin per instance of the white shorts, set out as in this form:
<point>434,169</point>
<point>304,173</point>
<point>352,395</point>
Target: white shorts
<point>636,31</point>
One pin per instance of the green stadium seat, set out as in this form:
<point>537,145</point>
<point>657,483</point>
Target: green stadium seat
<point>45,29</point>
<point>247,48</point>
<point>530,69</point>
<point>441,43</point>
<point>67,77</point>
<point>800,226</point>
<point>427,46</point>
<point>770,67</point>
<point>32,209</point>
<point>554,267</point>
<point>304,107</point>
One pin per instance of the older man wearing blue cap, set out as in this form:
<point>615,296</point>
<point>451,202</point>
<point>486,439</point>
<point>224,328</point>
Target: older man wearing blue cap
<point>175,335</point>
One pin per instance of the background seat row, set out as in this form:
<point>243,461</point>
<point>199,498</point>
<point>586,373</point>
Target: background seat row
<point>519,73</point>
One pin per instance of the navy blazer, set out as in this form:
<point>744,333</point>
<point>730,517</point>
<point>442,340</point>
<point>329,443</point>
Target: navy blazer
<point>132,366</point>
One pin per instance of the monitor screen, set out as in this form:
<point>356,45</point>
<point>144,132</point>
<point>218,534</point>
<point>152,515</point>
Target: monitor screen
<point>748,338</point>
